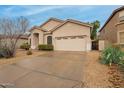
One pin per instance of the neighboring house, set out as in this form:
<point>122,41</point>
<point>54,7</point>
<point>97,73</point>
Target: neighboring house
<point>68,35</point>
<point>23,39</point>
<point>113,29</point>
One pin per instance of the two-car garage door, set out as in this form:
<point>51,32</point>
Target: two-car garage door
<point>70,44</point>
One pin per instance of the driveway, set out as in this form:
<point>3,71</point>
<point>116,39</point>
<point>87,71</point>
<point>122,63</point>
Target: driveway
<point>52,69</point>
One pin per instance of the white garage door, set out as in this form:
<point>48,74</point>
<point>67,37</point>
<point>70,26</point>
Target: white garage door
<point>70,44</point>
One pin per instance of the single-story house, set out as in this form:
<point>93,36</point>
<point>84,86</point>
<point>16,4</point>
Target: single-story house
<point>68,35</point>
<point>113,29</point>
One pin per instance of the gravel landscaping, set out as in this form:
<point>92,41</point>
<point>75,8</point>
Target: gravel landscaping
<point>95,73</point>
<point>20,55</point>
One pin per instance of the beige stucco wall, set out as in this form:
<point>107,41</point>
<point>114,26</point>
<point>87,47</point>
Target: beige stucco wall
<point>34,39</point>
<point>45,37</point>
<point>50,25</point>
<point>109,32</point>
<point>72,29</point>
<point>121,13</point>
<point>29,38</point>
<point>103,44</point>
<point>120,27</point>
<point>21,41</point>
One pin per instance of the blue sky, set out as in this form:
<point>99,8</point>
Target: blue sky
<point>39,14</point>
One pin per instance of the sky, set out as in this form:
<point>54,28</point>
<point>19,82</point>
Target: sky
<point>37,14</point>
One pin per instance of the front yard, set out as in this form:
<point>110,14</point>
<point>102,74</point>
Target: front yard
<point>55,69</point>
<point>95,73</point>
<point>20,55</point>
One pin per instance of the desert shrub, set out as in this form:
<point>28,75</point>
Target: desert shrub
<point>45,47</point>
<point>11,30</point>
<point>25,46</point>
<point>112,54</point>
<point>6,53</point>
<point>29,52</point>
<point>1,53</point>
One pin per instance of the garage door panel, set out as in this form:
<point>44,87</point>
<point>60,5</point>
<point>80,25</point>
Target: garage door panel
<point>70,44</point>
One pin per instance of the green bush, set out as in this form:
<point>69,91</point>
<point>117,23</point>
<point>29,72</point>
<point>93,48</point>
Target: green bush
<point>25,46</point>
<point>112,54</point>
<point>29,52</point>
<point>45,47</point>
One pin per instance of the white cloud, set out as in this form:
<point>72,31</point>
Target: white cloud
<point>37,10</point>
<point>33,10</point>
<point>29,10</point>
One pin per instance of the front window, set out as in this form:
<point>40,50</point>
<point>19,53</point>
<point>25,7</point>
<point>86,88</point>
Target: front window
<point>49,40</point>
<point>121,34</point>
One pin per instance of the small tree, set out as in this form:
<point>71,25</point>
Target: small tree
<point>11,30</point>
<point>96,25</point>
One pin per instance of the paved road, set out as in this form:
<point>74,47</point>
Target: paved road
<point>52,69</point>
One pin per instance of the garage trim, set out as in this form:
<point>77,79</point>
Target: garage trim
<point>71,37</point>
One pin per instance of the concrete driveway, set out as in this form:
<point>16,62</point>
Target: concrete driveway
<point>52,69</point>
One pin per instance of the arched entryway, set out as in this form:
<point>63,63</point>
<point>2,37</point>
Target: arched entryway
<point>35,40</point>
<point>49,39</point>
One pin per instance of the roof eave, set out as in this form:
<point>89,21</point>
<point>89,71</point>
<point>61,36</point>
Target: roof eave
<point>113,13</point>
<point>68,20</point>
<point>55,19</point>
